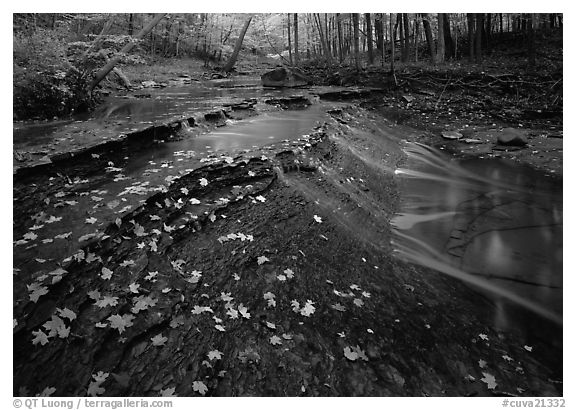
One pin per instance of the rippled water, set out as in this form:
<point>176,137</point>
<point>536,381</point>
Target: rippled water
<point>494,224</point>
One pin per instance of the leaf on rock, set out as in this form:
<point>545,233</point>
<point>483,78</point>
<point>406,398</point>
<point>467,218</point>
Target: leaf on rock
<point>289,273</point>
<point>120,322</point>
<point>243,311</point>
<point>203,181</point>
<point>308,309</point>
<point>106,274</point>
<point>350,354</point>
<point>107,301</point>
<point>36,290</point>
<point>275,340</point>
<point>39,337</point>
<point>262,259</point>
<point>169,392</point>
<point>214,355</point>
<point>317,219</point>
<point>199,387</point>
<point>490,380</point>
<point>159,340</point>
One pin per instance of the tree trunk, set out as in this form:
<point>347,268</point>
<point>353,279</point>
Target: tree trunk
<point>416,35</point>
<point>369,39</point>
<point>379,32</point>
<point>448,42</point>
<point>531,42</point>
<point>296,53</point>
<point>355,20</point>
<point>100,75</point>
<point>478,39</point>
<point>429,38</point>
<point>232,61</point>
<point>440,50</point>
<point>392,48</point>
<point>470,18</point>
<point>339,29</point>
<point>406,48</point>
<point>323,39</point>
<point>289,43</point>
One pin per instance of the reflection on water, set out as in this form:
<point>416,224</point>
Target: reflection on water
<point>163,104</point>
<point>494,224</point>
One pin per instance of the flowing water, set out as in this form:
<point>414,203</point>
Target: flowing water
<point>493,224</point>
<point>123,114</point>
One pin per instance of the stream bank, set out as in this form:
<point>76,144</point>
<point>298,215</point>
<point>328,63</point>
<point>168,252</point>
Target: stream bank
<point>268,272</point>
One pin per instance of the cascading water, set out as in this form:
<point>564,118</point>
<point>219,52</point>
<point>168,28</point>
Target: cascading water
<point>495,225</point>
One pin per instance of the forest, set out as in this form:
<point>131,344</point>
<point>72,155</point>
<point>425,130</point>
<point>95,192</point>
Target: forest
<point>288,204</point>
<point>59,59</point>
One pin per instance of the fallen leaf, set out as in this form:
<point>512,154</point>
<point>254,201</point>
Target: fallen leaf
<point>120,322</point>
<point>275,340</point>
<point>39,337</point>
<point>317,219</point>
<point>199,387</point>
<point>262,259</point>
<point>106,273</point>
<point>308,309</point>
<point>489,380</point>
<point>159,340</point>
<point>169,392</point>
<point>203,181</point>
<point>214,355</point>
<point>349,354</point>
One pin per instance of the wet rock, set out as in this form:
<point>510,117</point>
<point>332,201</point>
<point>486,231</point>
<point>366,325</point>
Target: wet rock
<point>294,101</point>
<point>512,137</point>
<point>451,135</point>
<point>284,77</point>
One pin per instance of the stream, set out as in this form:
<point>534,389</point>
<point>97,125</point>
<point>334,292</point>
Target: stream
<point>493,224</point>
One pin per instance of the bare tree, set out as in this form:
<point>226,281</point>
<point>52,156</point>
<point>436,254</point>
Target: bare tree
<point>232,61</point>
<point>440,49</point>
<point>369,38</point>
<point>296,54</point>
<point>355,22</point>
<point>429,38</point>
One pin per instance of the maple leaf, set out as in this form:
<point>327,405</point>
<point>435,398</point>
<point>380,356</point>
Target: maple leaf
<point>308,309</point>
<point>233,313</point>
<point>194,201</point>
<point>159,340</point>
<point>220,328</point>
<point>275,340</point>
<point>289,273</point>
<point>260,198</point>
<point>243,311</point>
<point>36,290</point>
<point>133,287</point>
<point>139,230</point>
<point>295,305</point>
<point>366,294</point>
<point>107,301</point>
<point>30,236</point>
<point>106,274</point>
<point>483,336</point>
<point>91,220</point>
<point>47,392</point>
<point>270,325</point>
<point>203,181</point>
<point>358,302</point>
<point>489,380</point>
<point>281,278</point>
<point>39,337</point>
<point>338,307</point>
<point>151,275</point>
<point>528,348</point>
<point>350,354</point>
<point>199,387</point>
<point>94,389</point>
<point>482,363</point>
<point>317,219</point>
<point>226,297</point>
<point>507,358</point>
<point>184,191</point>
<point>56,326</point>
<point>262,259</point>
<point>214,355</point>
<point>127,262</point>
<point>169,392</point>
<point>120,322</point>
<point>100,377</point>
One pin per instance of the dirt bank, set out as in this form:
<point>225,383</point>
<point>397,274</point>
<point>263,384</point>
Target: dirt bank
<point>269,275</point>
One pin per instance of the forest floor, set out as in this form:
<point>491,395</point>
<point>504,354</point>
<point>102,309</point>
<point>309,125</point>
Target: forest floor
<point>271,273</point>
